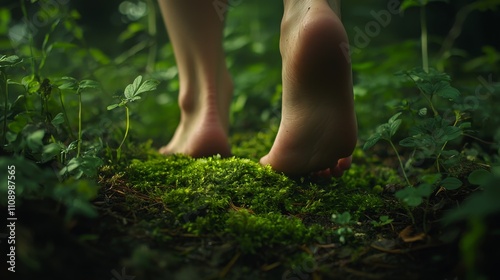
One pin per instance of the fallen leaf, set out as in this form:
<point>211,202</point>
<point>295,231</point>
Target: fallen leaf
<point>407,235</point>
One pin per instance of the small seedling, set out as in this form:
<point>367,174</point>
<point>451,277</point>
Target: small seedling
<point>132,93</point>
<point>343,220</point>
<point>387,131</point>
<point>383,220</point>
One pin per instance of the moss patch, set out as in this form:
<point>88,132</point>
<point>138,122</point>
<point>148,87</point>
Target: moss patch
<point>248,203</point>
<point>232,216</point>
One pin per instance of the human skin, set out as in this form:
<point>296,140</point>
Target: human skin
<point>318,129</point>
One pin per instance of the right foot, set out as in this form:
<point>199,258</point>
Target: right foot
<point>318,127</point>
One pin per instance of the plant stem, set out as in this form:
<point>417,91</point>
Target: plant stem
<point>127,126</point>
<point>425,96</point>
<point>152,33</point>
<point>400,163</point>
<point>423,39</point>
<point>424,224</point>
<point>79,123</point>
<point>65,115</point>
<point>457,118</point>
<point>409,213</point>
<point>30,38</point>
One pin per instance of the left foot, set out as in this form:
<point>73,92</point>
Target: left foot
<point>318,129</point>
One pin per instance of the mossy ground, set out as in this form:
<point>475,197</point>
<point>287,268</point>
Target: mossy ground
<point>177,217</point>
<point>233,218</point>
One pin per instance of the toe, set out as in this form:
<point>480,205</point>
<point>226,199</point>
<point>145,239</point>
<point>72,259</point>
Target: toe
<point>164,150</point>
<point>344,163</point>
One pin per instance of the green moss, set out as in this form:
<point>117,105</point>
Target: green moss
<point>253,145</point>
<point>268,230</point>
<point>368,176</point>
<point>248,203</point>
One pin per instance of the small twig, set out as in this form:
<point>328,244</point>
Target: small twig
<point>423,38</point>
<point>228,267</point>
<point>267,267</point>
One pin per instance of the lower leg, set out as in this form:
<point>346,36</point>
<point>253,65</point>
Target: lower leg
<point>205,92</point>
<point>318,128</point>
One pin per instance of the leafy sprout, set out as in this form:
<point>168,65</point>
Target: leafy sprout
<point>132,93</point>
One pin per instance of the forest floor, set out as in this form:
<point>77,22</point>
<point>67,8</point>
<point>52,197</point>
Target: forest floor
<point>213,218</point>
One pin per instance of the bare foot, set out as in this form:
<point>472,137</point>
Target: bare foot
<point>318,128</point>
<point>195,30</point>
<point>204,124</point>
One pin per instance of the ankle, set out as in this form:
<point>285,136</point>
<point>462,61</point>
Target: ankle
<point>195,98</point>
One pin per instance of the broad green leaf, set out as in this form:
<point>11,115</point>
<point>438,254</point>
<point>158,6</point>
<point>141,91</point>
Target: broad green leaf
<point>371,141</point>
<point>451,183</point>
<point>410,142</point>
<point>385,218</point>
<point>137,83</point>
<point>84,84</point>
<point>394,118</point>
<point>30,83</point>
<point>50,151</point>
<point>342,219</point>
<point>129,91</point>
<point>148,85</point>
<point>409,196</point>
<point>20,121</point>
<point>34,140</point>
<point>452,132</point>
<point>9,61</point>
<point>111,107</point>
<point>448,92</point>
<point>69,83</point>
<point>58,120</point>
<point>431,179</point>
<point>394,127</point>
<point>425,190</point>
<point>479,176</point>
<point>465,125</point>
<point>26,80</point>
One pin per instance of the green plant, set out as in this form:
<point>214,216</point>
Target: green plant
<point>6,62</point>
<point>78,87</point>
<point>382,221</point>
<point>132,93</point>
<point>343,221</point>
<point>423,27</point>
<point>386,132</point>
<point>480,213</point>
